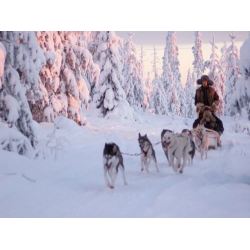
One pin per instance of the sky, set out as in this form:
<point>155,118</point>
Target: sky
<point>183,37</point>
<point>185,42</point>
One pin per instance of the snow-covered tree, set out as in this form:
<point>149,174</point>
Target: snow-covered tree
<point>175,86</point>
<point>67,78</point>
<point>141,74</point>
<point>215,75</point>
<point>182,101</point>
<point>173,100</point>
<point>2,61</point>
<point>20,81</point>
<point>167,76</point>
<point>142,61</point>
<point>198,57</point>
<point>189,96</point>
<point>148,89</point>
<point>241,97</point>
<point>132,79</point>
<point>110,96</point>
<point>232,74</point>
<point>158,101</point>
<point>173,60</point>
<point>155,63</point>
<point>223,58</point>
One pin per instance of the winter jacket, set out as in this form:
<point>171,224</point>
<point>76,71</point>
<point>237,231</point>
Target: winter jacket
<point>207,96</point>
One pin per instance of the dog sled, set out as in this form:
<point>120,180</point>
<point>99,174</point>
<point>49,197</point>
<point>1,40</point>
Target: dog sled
<point>213,125</point>
<point>212,138</point>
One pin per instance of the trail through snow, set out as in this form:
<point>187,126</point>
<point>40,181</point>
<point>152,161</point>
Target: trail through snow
<point>73,185</point>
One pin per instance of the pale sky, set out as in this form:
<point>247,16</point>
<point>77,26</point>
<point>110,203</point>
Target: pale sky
<point>185,42</point>
<point>183,37</point>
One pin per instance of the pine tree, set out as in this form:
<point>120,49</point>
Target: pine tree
<point>167,76</point>
<point>158,101</point>
<point>223,58</point>
<point>189,96</point>
<point>175,86</point>
<point>129,60</point>
<point>110,95</point>
<point>214,74</point>
<point>141,74</point>
<point>142,61</point>
<point>148,89</point>
<point>67,78</point>
<point>20,81</point>
<point>198,57</point>
<point>232,74</point>
<point>241,97</point>
<point>2,61</point>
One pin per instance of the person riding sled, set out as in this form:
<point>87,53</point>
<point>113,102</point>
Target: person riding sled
<point>207,102</point>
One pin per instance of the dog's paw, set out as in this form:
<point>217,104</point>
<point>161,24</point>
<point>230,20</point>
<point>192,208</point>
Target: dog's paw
<point>181,171</point>
<point>112,187</point>
<point>142,169</point>
<point>175,169</point>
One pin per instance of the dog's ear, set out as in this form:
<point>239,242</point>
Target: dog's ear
<point>105,145</point>
<point>114,148</point>
<point>146,136</point>
<point>139,135</point>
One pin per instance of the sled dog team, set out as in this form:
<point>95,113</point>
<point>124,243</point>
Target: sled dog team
<point>178,148</point>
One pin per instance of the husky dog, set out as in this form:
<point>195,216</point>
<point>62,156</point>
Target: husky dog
<point>112,161</point>
<point>201,140</point>
<point>165,147</point>
<point>178,146</point>
<point>147,153</point>
<point>192,144</point>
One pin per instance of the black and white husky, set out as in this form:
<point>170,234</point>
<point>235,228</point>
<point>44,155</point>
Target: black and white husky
<point>192,144</point>
<point>112,161</point>
<point>147,153</point>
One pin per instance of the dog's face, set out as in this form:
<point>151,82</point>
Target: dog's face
<point>142,140</point>
<point>200,131</point>
<point>109,152</point>
<point>167,138</point>
<point>164,131</point>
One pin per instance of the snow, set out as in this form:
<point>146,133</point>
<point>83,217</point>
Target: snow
<point>48,114</point>
<point>13,107</point>
<point>240,98</point>
<point>62,122</point>
<point>2,60</point>
<point>11,138</point>
<point>73,185</point>
<point>244,55</point>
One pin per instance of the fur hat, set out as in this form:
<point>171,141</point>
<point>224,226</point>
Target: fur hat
<point>205,78</point>
<point>207,114</point>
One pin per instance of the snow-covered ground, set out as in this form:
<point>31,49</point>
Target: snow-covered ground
<point>73,185</point>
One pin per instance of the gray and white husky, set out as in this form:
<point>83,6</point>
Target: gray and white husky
<point>112,161</point>
<point>163,143</point>
<point>147,153</point>
<point>177,147</point>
